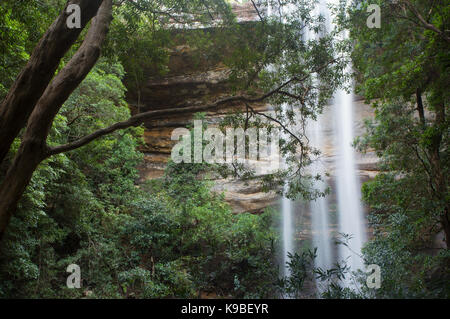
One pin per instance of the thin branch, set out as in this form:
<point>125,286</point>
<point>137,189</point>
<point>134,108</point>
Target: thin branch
<point>259,13</point>
<point>424,23</point>
<point>427,171</point>
<point>278,122</point>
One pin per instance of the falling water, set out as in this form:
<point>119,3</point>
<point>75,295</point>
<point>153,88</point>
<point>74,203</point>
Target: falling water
<point>348,188</point>
<point>288,238</point>
<point>319,207</point>
<point>350,211</point>
<point>286,207</point>
<point>348,185</point>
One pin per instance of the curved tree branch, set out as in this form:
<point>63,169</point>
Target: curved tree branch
<point>138,119</point>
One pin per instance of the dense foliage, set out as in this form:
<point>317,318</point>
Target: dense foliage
<point>403,69</point>
<point>167,239</point>
<point>174,237</point>
<point>21,26</point>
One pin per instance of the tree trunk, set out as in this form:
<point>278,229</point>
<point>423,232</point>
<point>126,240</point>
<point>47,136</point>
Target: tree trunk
<point>445,221</point>
<point>16,181</point>
<point>440,179</point>
<point>36,75</point>
<point>33,149</point>
<point>420,108</point>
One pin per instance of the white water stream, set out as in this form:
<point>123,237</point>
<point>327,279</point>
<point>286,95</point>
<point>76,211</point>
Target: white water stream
<point>348,187</point>
<point>349,206</point>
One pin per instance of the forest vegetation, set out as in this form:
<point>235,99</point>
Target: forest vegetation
<point>70,148</point>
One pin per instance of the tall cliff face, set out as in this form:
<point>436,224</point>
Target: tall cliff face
<point>195,80</point>
<point>192,79</point>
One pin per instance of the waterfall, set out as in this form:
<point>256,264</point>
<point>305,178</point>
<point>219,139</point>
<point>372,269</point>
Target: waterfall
<point>288,237</point>
<point>349,207</point>
<point>319,207</point>
<point>348,186</point>
<point>286,207</point>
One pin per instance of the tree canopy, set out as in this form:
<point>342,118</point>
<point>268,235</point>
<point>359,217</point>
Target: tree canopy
<point>70,147</point>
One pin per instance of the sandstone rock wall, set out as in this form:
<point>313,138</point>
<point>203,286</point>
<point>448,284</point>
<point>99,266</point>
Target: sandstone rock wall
<point>193,82</point>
